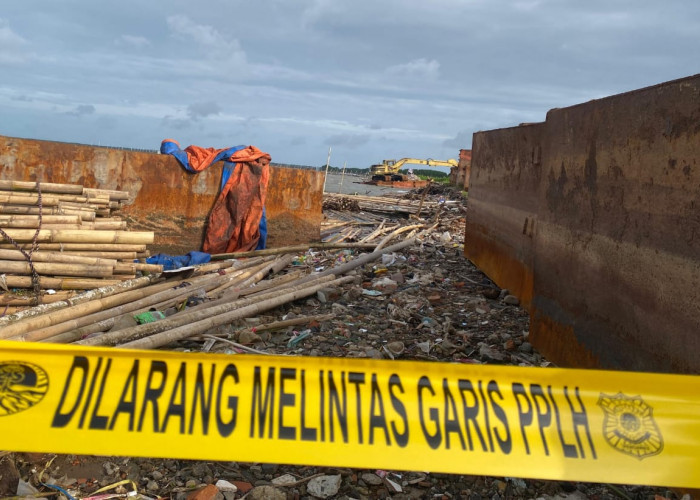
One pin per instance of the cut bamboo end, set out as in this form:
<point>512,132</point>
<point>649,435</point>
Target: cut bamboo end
<point>112,194</point>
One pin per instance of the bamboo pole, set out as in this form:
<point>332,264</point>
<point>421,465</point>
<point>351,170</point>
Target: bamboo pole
<point>396,233</point>
<point>255,273</point>
<point>48,219</point>
<point>46,187</point>
<point>147,268</point>
<point>8,209</point>
<point>81,309</point>
<point>166,337</point>
<point>29,199</point>
<point>92,323</point>
<point>48,227</point>
<point>102,292</point>
<point>100,225</point>
<point>291,248</point>
<point>124,268</point>
<point>191,316</point>
<point>360,260</point>
<point>80,333</point>
<point>195,313</point>
<point>374,233</point>
<point>46,298</point>
<point>57,283</point>
<point>41,256</point>
<point>84,247</point>
<point>56,269</point>
<point>113,194</point>
<point>142,302</point>
<point>299,320</point>
<point>7,309</point>
<point>272,284</point>
<point>130,256</point>
<point>82,236</point>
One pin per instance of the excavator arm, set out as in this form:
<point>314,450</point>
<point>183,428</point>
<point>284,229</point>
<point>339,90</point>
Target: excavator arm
<point>392,167</point>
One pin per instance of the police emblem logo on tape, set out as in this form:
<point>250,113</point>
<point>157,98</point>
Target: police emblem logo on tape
<point>629,425</point>
<point>22,385</point>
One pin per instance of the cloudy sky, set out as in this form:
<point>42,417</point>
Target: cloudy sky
<point>374,79</point>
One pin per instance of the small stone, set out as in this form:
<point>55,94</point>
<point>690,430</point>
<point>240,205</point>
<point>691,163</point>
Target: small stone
<point>491,293</point>
<point>248,337</point>
<point>525,347</point>
<point>209,492</point>
<point>110,468</point>
<point>393,485</point>
<point>371,479</point>
<point>323,486</point>
<point>225,486</point>
<point>243,486</point>
<point>396,348</point>
<point>266,492</point>
<point>156,475</point>
<point>327,294</point>
<point>284,480</point>
<point>488,354</point>
<point>511,300</point>
<point>191,483</point>
<point>509,345</point>
<point>374,354</point>
<point>152,486</point>
<point>269,468</point>
<point>385,285</point>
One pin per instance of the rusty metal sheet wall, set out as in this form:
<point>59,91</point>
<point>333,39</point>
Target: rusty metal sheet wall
<point>604,215</point>
<point>164,198</point>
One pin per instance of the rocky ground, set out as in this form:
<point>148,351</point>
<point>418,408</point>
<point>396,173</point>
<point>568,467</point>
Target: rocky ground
<point>426,302</point>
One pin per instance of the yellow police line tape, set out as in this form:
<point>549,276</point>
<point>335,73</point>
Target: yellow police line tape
<point>548,423</point>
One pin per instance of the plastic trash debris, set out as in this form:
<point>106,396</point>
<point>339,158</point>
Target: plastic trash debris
<point>148,317</point>
<point>294,341</point>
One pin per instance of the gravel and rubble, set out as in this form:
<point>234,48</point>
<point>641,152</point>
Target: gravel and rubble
<point>426,302</point>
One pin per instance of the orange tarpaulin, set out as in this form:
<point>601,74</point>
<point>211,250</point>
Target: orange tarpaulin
<point>234,221</point>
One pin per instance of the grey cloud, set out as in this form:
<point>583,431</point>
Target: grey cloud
<point>12,45</point>
<point>199,110</point>
<point>82,110</point>
<point>421,68</point>
<point>213,43</point>
<point>349,140</point>
<point>169,122</point>
<point>463,140</point>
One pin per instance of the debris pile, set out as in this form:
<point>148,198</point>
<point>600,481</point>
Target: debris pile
<point>384,284</point>
<point>66,237</point>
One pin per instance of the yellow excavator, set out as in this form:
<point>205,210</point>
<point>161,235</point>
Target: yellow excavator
<point>388,170</point>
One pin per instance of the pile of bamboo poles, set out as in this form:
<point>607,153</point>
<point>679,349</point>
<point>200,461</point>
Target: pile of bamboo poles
<point>383,204</point>
<point>234,290</point>
<point>72,235</point>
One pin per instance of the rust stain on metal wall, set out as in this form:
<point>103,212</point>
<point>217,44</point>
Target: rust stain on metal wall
<point>608,192</point>
<point>164,198</point>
